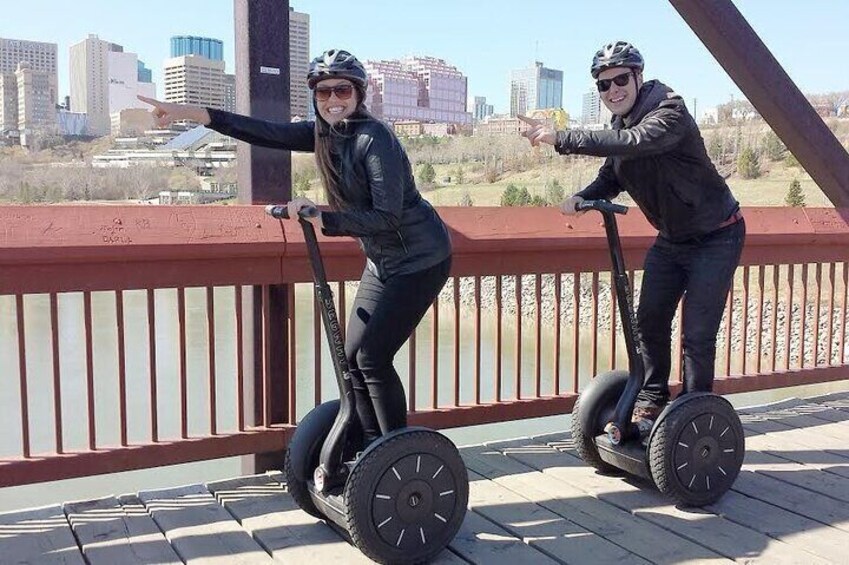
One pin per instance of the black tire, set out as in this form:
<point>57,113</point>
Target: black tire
<point>593,409</point>
<point>407,497</point>
<point>697,449</point>
<point>304,451</point>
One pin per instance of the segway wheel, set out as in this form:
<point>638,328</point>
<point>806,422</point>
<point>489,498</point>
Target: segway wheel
<point>407,497</point>
<point>696,450</point>
<point>593,409</point>
<point>304,451</point>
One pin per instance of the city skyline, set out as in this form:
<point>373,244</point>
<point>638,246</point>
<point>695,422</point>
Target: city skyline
<point>483,44</point>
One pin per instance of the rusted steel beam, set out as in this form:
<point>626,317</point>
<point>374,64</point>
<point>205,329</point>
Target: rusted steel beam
<point>265,176</point>
<point>262,91</point>
<point>749,63</point>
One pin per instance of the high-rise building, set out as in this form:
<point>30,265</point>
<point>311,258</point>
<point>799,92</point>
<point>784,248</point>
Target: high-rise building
<point>425,89</point>
<point>144,74</point>
<point>8,103</point>
<point>203,46</point>
<point>41,82</point>
<point>124,84</point>
<point>194,79</point>
<point>36,99</point>
<point>299,60</point>
<point>594,113</point>
<point>481,109</point>
<point>229,93</point>
<point>535,88</point>
<point>90,81</point>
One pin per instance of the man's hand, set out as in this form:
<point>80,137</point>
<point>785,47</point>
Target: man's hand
<point>568,206</point>
<point>539,132</point>
<point>165,113</point>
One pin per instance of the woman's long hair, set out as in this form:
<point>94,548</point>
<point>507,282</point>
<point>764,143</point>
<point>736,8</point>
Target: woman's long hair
<point>323,142</point>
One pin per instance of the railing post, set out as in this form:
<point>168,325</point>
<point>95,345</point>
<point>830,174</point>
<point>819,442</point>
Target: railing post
<point>265,176</point>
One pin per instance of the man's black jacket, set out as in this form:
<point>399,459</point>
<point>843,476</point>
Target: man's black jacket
<point>656,154</point>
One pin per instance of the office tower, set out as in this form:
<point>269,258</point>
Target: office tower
<point>594,113</point>
<point>40,76</point>
<point>90,81</point>
<point>481,109</point>
<point>229,93</point>
<point>417,88</point>
<point>299,60</point>
<point>203,46</point>
<point>535,88</point>
<point>194,79</point>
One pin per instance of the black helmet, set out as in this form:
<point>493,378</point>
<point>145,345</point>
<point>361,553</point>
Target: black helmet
<point>337,63</point>
<point>617,54</point>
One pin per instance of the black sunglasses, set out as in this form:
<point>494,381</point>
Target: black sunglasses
<point>342,92</point>
<point>619,80</point>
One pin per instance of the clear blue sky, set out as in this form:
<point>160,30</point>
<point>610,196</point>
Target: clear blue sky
<point>485,40</point>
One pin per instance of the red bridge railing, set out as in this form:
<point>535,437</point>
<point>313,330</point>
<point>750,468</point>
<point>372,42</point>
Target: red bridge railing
<point>135,337</point>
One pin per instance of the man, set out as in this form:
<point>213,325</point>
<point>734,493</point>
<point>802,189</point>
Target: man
<point>656,154</point>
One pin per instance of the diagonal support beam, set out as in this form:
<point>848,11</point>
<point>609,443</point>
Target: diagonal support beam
<point>736,46</point>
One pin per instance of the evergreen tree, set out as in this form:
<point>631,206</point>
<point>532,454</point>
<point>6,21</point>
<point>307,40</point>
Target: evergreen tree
<point>515,196</point>
<point>795,197</point>
<point>773,148</point>
<point>459,174</point>
<point>748,165</point>
<point>554,193</point>
<point>426,173</point>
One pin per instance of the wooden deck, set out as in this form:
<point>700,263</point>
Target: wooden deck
<point>532,501</point>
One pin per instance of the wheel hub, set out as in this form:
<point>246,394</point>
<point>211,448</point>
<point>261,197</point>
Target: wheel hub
<point>705,453</point>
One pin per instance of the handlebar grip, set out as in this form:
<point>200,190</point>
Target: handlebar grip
<point>601,206</point>
<point>277,211</point>
<point>281,211</point>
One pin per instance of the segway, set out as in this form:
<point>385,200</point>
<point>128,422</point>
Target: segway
<point>402,498</point>
<point>694,449</point>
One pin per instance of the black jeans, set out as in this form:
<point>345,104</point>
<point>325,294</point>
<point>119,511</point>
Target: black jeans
<point>700,270</point>
<point>385,313</point>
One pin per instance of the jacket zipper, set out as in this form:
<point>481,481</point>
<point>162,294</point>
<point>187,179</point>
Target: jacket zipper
<point>404,245</point>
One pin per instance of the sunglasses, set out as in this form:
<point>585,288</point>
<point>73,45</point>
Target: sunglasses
<point>342,92</point>
<point>619,80</point>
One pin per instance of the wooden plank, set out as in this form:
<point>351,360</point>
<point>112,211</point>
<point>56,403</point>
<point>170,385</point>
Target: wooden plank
<point>112,532</point>
<point>626,530</point>
<point>824,541</point>
<point>798,414</point>
<point>803,476</point>
<point>837,401</point>
<point>40,536</point>
<point>483,542</point>
<point>783,431</point>
<point>823,509</point>
<point>266,511</point>
<point>824,461</point>
<point>541,528</point>
<point>199,529</point>
<point>698,525</point>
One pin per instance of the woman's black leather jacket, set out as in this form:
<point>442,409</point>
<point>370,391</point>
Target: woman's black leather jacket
<point>399,231</point>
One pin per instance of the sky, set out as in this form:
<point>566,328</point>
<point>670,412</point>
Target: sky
<point>483,39</point>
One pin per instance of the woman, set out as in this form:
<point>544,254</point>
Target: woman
<point>372,196</point>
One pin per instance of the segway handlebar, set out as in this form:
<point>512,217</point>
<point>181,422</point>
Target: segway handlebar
<point>281,211</point>
<point>601,206</point>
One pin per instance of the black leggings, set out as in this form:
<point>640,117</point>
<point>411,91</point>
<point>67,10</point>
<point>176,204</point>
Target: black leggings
<point>384,315</point>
